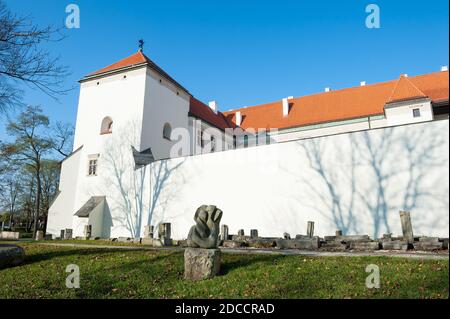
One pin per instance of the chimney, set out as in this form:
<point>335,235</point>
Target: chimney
<point>363,83</point>
<point>327,89</point>
<point>285,107</point>
<point>238,118</point>
<point>213,106</point>
<point>444,68</point>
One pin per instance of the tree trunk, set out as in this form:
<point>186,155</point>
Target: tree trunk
<point>38,200</point>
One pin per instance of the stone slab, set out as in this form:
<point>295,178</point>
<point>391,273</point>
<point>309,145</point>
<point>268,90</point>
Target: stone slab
<point>234,244</point>
<point>353,238</point>
<point>201,264</point>
<point>427,246</point>
<point>307,244</point>
<point>373,245</point>
<point>429,239</point>
<point>11,255</point>
<point>9,235</point>
<point>162,242</point>
<point>333,246</point>
<point>444,242</point>
<point>240,238</point>
<point>262,243</point>
<point>395,245</point>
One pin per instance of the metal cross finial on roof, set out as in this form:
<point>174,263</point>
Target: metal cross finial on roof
<point>141,45</point>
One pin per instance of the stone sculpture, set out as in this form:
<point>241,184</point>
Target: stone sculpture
<point>202,258</point>
<point>205,234</point>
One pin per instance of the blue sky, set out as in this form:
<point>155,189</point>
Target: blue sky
<point>249,52</point>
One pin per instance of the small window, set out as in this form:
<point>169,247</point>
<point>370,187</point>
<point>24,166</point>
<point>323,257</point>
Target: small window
<point>245,140</point>
<point>416,112</point>
<point>268,141</point>
<point>107,125</point>
<point>92,167</point>
<point>199,138</point>
<point>213,144</point>
<point>167,131</point>
<point>202,142</point>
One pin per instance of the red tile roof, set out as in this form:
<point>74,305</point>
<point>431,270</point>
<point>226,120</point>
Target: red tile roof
<point>343,104</point>
<point>331,106</point>
<point>134,60</point>
<point>202,111</point>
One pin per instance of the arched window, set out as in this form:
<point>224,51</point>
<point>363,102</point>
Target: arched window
<point>167,131</point>
<point>107,125</point>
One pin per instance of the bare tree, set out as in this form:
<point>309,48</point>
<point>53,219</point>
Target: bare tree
<point>29,147</point>
<point>63,138</point>
<point>24,61</point>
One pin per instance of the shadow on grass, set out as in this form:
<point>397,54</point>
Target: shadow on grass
<point>48,255</point>
<point>243,261</point>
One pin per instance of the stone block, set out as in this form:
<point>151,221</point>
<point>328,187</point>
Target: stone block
<point>307,244</point>
<point>9,235</point>
<point>310,229</point>
<point>39,235</point>
<point>137,240</point>
<point>329,238</point>
<point>68,234</point>
<point>201,264</point>
<point>254,233</point>
<point>262,243</point>
<point>338,233</point>
<point>164,230</point>
<point>241,232</point>
<point>11,255</point>
<point>373,245</point>
<point>234,244</point>
<point>123,239</point>
<point>427,245</point>
<point>444,242</point>
<point>354,238</point>
<point>405,218</point>
<point>240,238</point>
<point>224,232</point>
<point>286,236</point>
<point>149,231</point>
<point>395,245</point>
<point>429,239</point>
<point>157,242</point>
<point>48,237</point>
<point>333,246</point>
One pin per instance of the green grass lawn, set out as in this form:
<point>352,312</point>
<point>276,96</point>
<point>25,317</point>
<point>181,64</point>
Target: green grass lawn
<point>159,274</point>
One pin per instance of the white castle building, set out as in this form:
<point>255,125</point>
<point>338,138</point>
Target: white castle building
<point>147,152</point>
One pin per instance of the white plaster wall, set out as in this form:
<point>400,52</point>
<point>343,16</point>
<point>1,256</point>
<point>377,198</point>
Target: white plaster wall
<point>61,212</point>
<point>278,188</point>
<point>162,105</point>
<point>122,99</point>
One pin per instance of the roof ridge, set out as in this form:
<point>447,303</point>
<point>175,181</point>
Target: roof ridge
<point>110,67</point>
<point>408,82</point>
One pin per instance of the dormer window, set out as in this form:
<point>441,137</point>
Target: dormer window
<point>167,131</point>
<point>107,125</point>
